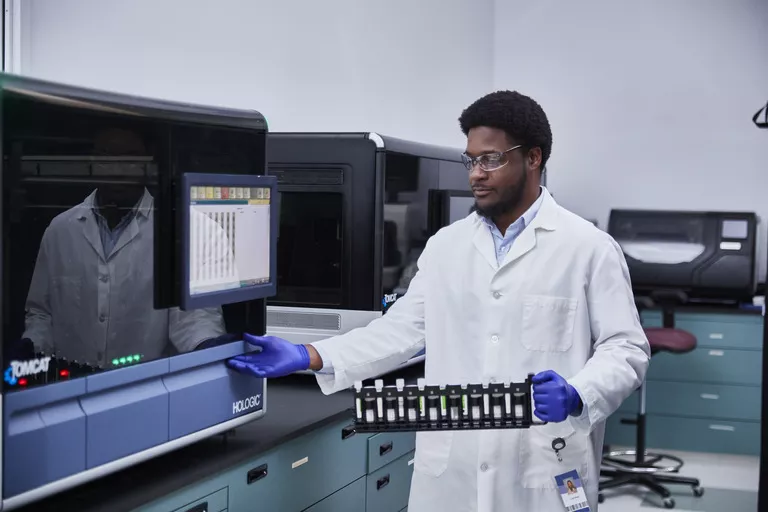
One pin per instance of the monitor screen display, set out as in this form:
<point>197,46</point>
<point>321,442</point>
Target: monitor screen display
<point>230,237</point>
<point>223,218</point>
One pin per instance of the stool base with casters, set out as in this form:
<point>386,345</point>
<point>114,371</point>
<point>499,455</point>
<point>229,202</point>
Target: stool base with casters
<point>639,467</point>
<point>643,468</point>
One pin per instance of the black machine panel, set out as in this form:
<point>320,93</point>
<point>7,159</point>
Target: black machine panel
<point>354,216</point>
<point>707,255</point>
<point>89,207</point>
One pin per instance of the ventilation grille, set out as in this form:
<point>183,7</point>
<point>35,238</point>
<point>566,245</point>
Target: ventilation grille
<point>325,321</point>
<point>308,176</point>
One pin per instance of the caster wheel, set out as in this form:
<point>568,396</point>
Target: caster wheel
<point>698,492</point>
<point>669,503</point>
<point>600,498</point>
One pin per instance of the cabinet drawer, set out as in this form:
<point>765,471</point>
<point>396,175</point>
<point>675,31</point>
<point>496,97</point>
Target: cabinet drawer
<point>689,434</point>
<point>720,366</point>
<point>384,448</point>
<point>704,400</point>
<point>351,498</point>
<point>319,463</point>
<point>387,489</point>
<point>190,500</point>
<point>723,331</point>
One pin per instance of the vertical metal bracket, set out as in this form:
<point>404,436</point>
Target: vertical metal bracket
<point>12,40</point>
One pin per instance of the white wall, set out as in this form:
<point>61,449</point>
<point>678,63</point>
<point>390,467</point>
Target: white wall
<point>401,67</point>
<point>650,101</point>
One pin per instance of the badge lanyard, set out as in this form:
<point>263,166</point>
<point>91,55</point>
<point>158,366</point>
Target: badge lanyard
<point>569,484</point>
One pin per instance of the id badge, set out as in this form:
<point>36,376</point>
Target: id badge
<point>572,492</point>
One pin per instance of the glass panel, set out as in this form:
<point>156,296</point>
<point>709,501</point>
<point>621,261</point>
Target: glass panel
<point>406,214</point>
<point>79,204</point>
<point>310,248</point>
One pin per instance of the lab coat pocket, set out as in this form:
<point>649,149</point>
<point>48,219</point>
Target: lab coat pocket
<point>538,460</point>
<point>548,323</point>
<point>433,449</point>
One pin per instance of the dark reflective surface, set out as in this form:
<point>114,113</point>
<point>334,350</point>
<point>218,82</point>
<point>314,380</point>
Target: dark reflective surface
<point>80,203</point>
<point>408,182</point>
<point>310,251</point>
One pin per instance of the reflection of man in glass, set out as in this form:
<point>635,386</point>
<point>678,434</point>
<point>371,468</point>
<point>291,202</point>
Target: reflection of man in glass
<point>571,487</point>
<point>91,296</point>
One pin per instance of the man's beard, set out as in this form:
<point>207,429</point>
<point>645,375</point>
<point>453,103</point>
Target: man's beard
<point>509,199</point>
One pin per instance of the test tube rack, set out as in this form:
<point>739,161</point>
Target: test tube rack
<point>402,408</point>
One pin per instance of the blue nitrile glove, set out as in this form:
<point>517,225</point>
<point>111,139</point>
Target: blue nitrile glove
<point>277,358</point>
<point>553,397</point>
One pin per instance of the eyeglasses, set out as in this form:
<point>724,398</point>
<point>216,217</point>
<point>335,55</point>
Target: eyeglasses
<point>488,161</point>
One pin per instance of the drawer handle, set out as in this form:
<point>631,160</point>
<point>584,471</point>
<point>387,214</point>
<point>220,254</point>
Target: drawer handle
<point>724,428</point>
<point>716,336</point>
<point>382,482</point>
<point>200,507</point>
<point>708,396</point>
<point>257,474</point>
<point>716,353</point>
<point>385,449</point>
<point>348,432</point>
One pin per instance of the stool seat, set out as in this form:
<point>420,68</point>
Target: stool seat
<point>664,339</point>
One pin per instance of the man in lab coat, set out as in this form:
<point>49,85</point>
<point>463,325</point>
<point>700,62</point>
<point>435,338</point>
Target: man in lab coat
<point>519,286</point>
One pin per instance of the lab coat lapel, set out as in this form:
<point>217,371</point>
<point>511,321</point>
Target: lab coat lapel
<point>524,243</point>
<point>546,220</point>
<point>89,227</point>
<point>483,241</point>
<point>133,229</point>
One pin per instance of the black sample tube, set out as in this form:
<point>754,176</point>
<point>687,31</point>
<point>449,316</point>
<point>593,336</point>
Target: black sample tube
<point>454,409</point>
<point>412,406</point>
<point>476,409</point>
<point>497,409</point>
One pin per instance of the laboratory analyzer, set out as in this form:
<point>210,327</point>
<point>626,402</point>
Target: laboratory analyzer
<point>139,244</point>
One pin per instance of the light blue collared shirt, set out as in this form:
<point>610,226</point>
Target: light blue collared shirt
<point>503,242</point>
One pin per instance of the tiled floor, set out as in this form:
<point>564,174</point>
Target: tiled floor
<point>730,485</point>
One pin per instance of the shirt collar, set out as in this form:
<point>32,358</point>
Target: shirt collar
<point>143,207</point>
<point>525,219</point>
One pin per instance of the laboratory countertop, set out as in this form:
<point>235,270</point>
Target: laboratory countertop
<point>295,406</point>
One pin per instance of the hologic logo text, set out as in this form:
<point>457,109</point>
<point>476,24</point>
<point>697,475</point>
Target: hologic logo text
<point>246,404</point>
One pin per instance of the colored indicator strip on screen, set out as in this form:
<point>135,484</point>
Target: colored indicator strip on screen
<point>122,361</point>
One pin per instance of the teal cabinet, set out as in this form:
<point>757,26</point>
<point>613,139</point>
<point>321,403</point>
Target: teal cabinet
<point>192,498</point>
<point>699,400</point>
<point>708,400</point>
<point>718,365</point>
<point>301,473</point>
<point>385,447</point>
<point>688,434</point>
<point>388,488</point>
<point>351,498</point>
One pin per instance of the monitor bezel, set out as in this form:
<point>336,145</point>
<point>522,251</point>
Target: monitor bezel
<point>219,298</point>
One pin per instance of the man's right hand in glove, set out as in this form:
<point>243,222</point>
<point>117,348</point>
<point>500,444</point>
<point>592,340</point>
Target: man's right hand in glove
<point>277,358</point>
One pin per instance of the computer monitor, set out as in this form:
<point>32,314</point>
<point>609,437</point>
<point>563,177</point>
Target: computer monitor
<point>229,233</point>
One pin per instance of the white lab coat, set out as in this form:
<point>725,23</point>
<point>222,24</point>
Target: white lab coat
<point>90,307</point>
<point>562,301</point>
